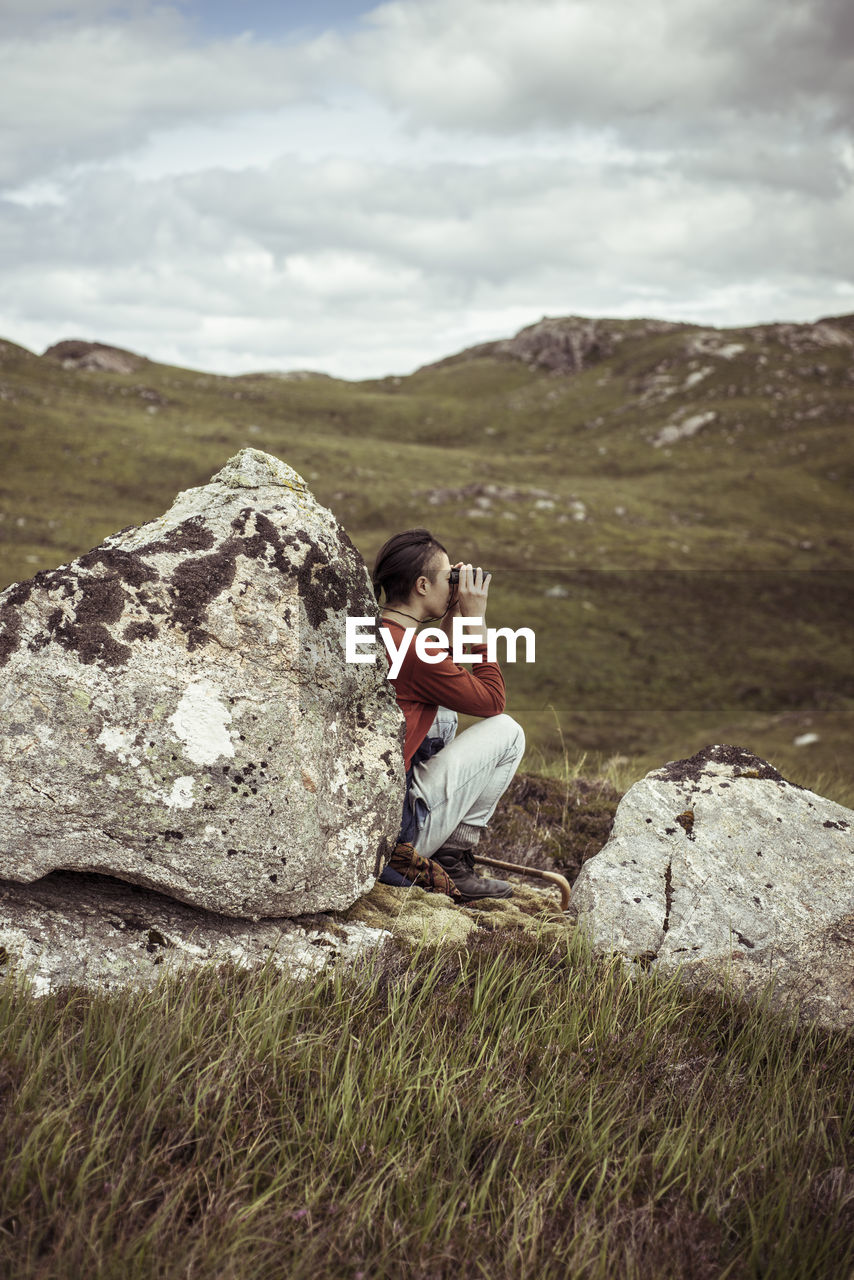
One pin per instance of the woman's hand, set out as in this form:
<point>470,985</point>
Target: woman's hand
<point>472,591</point>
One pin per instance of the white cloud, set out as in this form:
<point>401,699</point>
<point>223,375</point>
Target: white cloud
<point>336,276</point>
<point>89,93</point>
<point>366,201</point>
<point>498,65</point>
<point>655,76</point>
<point>264,267</point>
<point>24,16</point>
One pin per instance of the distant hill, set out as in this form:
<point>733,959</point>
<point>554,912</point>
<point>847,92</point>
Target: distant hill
<point>653,497</point>
<point>658,442</point>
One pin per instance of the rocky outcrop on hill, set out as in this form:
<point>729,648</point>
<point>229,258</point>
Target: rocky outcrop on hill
<point>717,866</point>
<point>176,709</point>
<point>801,338</point>
<point>570,344</point>
<point>98,357</point>
<point>562,344</point>
<point>482,501</point>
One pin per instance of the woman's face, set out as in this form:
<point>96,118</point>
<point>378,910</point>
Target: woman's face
<point>439,595</point>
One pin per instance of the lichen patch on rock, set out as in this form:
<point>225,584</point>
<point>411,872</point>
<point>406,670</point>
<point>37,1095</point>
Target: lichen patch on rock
<point>201,722</point>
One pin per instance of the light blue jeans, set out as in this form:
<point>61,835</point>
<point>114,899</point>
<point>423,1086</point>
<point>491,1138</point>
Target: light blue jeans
<point>461,785</point>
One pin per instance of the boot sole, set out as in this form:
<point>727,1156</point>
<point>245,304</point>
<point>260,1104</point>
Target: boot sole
<point>477,897</point>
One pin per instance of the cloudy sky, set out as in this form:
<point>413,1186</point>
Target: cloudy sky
<point>258,184</point>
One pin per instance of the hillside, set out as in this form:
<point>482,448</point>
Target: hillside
<point>669,506</point>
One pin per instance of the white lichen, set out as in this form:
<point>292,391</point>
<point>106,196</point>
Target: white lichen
<point>200,721</point>
<point>120,741</point>
<point>181,796</point>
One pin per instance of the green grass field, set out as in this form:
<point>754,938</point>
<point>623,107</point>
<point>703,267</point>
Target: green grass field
<point>520,1109</point>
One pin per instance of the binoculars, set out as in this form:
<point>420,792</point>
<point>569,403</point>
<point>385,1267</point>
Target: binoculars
<point>454,577</point>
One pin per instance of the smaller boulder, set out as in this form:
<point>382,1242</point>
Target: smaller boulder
<point>717,866</point>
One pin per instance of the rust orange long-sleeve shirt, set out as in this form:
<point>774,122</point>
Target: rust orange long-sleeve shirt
<point>422,687</point>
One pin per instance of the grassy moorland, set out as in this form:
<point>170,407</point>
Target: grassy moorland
<point>520,1109</point>
<point>682,590</point>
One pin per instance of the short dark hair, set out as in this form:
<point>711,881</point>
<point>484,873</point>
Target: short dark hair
<point>402,560</point>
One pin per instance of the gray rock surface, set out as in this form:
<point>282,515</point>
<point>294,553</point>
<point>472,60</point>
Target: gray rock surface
<point>70,929</point>
<point>176,709</point>
<point>562,344</point>
<point>718,866</point>
<point>79,929</point>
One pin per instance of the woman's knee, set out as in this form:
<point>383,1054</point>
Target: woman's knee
<point>511,731</point>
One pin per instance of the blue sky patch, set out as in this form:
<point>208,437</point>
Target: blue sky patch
<point>273,18</point>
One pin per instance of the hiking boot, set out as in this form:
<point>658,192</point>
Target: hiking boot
<point>459,864</point>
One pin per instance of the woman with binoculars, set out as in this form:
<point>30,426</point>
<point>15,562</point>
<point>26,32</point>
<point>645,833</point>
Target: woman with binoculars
<point>453,781</point>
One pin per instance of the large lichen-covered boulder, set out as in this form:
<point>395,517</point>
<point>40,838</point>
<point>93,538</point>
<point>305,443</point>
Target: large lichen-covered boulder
<point>721,869</point>
<point>176,709</point>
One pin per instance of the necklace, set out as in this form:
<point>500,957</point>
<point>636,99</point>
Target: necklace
<point>386,609</point>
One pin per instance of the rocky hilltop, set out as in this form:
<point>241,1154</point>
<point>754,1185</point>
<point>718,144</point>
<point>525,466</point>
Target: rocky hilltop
<point>97,357</point>
<point>568,344</point>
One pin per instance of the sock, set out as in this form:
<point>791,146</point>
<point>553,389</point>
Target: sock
<point>464,836</point>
